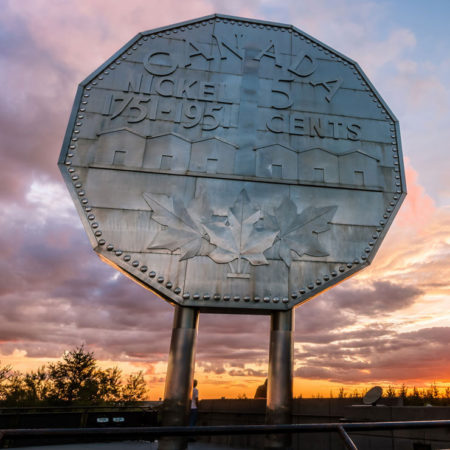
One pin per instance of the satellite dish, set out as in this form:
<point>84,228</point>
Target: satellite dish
<point>373,395</point>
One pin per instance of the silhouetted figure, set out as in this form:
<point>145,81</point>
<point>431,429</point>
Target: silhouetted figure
<point>261,391</point>
<point>194,406</point>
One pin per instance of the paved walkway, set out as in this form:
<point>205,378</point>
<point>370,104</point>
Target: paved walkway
<point>126,445</point>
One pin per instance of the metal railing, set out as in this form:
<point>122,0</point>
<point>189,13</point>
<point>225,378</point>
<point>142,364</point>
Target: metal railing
<point>156,432</point>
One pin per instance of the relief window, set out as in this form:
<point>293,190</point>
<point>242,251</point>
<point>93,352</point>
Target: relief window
<point>211,165</point>
<point>319,175</point>
<point>277,171</point>
<point>166,162</point>
<point>119,158</point>
<point>359,177</point>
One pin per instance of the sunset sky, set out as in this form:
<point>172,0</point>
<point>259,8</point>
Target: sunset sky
<point>390,324</point>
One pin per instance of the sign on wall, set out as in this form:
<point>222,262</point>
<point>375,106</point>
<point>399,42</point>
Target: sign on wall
<point>233,163</point>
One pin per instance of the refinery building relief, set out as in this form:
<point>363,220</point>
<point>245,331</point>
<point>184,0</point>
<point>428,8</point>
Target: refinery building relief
<point>171,152</point>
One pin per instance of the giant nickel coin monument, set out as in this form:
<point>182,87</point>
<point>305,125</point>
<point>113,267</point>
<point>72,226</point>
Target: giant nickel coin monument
<point>233,165</point>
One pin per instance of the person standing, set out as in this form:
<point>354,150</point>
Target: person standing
<point>194,406</point>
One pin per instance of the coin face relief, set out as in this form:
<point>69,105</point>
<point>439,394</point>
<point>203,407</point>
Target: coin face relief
<point>228,163</point>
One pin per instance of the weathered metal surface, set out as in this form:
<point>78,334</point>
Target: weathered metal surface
<point>280,376</point>
<point>180,374</point>
<point>228,163</point>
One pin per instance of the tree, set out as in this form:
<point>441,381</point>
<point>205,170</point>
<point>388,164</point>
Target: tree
<point>78,379</point>
<point>14,389</point>
<point>447,394</point>
<point>390,393</point>
<point>4,374</point>
<point>355,394</point>
<point>109,384</point>
<point>134,388</point>
<point>342,393</point>
<point>415,397</point>
<point>403,392</point>
<point>37,386</point>
<point>74,378</point>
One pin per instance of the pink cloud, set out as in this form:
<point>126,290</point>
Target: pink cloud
<point>418,207</point>
<point>68,31</point>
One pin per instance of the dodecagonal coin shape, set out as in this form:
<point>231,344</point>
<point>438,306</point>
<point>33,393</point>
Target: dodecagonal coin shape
<point>227,163</point>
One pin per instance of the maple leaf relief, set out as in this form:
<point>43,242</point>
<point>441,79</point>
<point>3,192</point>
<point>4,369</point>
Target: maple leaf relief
<point>242,233</point>
<point>299,233</point>
<point>238,236</point>
<point>182,228</point>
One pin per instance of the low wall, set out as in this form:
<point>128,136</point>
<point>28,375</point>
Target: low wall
<point>252,412</point>
<point>72,417</point>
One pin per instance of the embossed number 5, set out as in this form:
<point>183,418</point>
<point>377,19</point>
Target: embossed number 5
<point>142,111</point>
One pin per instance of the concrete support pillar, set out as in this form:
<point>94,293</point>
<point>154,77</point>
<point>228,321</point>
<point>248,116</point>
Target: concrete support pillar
<point>180,374</point>
<point>280,379</point>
